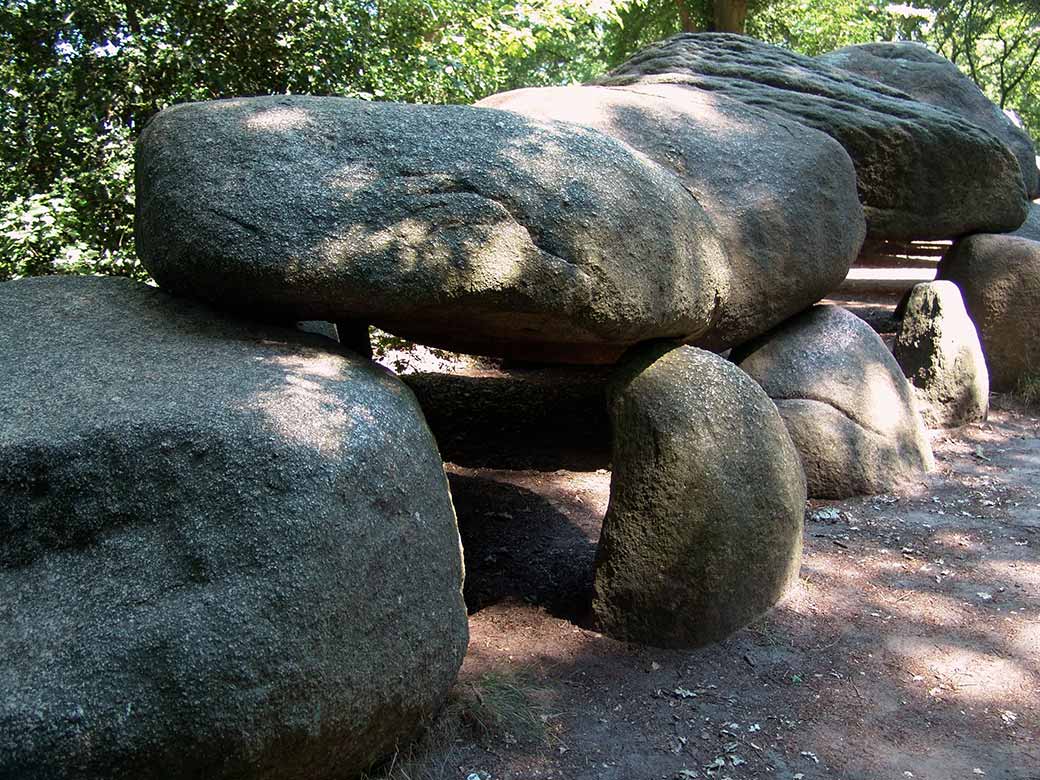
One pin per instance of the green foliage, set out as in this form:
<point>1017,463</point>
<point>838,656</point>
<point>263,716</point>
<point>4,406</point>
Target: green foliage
<point>998,45</point>
<point>812,27</point>
<point>81,77</point>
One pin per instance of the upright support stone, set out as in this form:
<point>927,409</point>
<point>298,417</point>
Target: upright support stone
<point>999,277</point>
<point>939,351</point>
<point>704,528</point>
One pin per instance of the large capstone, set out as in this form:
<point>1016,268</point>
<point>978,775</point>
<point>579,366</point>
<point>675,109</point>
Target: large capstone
<point>227,551</point>
<point>704,528</point>
<point>851,412</point>
<point>999,276</point>
<point>931,78</point>
<point>938,349</point>
<point>924,173</point>
<point>783,196</point>
<point>468,228</point>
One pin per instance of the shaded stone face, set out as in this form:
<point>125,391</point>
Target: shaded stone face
<point>849,409</point>
<point>704,528</point>
<point>938,349</point>
<point>1031,227</point>
<point>923,173</point>
<point>999,277</point>
<point>227,549</point>
<point>933,79</point>
<point>461,227</point>
<point>782,196</point>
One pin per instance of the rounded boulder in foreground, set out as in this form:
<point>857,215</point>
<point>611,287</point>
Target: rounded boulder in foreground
<point>227,552</point>
<point>704,528</point>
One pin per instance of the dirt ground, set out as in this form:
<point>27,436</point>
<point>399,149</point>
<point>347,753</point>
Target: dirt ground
<point>910,647</point>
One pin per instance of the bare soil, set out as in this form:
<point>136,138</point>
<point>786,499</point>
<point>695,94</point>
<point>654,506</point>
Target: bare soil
<point>910,647</point>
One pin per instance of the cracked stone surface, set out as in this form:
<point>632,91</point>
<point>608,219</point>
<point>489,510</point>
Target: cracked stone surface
<point>931,78</point>
<point>924,173</point>
<point>851,412</point>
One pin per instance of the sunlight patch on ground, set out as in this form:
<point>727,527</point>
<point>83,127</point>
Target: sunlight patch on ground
<point>1010,573</point>
<point>836,566</point>
<point>946,669</point>
<point>1025,639</point>
<point>957,541</point>
<point>936,609</point>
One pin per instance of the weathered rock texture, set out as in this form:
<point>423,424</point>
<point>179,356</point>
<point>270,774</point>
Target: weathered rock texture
<point>939,351</point>
<point>227,552</point>
<point>999,277</point>
<point>923,172</point>
<point>782,196</point>
<point>1031,227</point>
<point>931,78</point>
<point>461,227</point>
<point>704,528</point>
<point>849,408</point>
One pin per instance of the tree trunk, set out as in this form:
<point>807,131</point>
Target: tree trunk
<point>730,15</point>
<point>685,17</point>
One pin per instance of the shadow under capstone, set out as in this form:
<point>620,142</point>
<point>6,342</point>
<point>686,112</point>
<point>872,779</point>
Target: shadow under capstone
<point>520,546</point>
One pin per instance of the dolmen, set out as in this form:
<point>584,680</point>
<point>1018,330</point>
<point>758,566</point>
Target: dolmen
<point>229,547</point>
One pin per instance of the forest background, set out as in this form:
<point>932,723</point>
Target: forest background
<point>79,78</point>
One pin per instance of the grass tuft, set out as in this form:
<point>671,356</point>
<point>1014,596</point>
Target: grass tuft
<point>1028,390</point>
<point>494,707</point>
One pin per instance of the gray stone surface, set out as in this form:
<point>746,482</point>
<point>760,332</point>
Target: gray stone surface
<point>931,78</point>
<point>938,349</point>
<point>228,552</point>
<point>1031,227</point>
<point>999,277</point>
<point>704,528</point>
<point>924,173</point>
<point>466,228</point>
<point>849,409</point>
<point>319,328</point>
<point>782,196</point>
